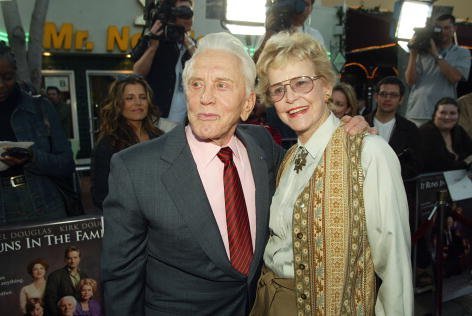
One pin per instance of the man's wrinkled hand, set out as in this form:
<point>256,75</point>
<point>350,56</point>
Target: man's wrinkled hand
<point>357,125</point>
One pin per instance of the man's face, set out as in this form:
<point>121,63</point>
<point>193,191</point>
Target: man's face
<point>186,23</point>
<point>67,307</point>
<point>73,259</point>
<point>216,96</point>
<point>7,79</point>
<point>53,96</point>
<point>299,19</point>
<point>388,98</point>
<point>447,31</point>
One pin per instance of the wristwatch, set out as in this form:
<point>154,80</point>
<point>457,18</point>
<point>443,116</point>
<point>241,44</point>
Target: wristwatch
<point>438,58</point>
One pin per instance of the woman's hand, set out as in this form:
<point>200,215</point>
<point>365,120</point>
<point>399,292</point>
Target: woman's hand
<point>15,156</point>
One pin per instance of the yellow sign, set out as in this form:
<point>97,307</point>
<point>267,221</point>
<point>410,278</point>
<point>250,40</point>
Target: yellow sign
<point>66,38</point>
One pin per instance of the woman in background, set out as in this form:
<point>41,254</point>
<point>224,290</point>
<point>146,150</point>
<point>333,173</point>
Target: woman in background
<point>87,306</point>
<point>445,144</point>
<point>28,190</point>
<point>344,100</point>
<point>35,290</point>
<point>127,118</point>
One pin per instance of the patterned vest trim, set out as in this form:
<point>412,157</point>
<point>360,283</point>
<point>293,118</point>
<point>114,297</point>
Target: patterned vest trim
<point>334,271</point>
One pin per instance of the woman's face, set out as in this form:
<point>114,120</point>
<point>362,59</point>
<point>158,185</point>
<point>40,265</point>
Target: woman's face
<point>135,103</point>
<point>340,106</point>
<point>38,271</point>
<point>86,292</point>
<point>302,112</point>
<point>446,117</point>
<point>38,310</point>
<point>7,79</point>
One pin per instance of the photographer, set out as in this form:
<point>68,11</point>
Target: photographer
<point>161,55</point>
<point>283,15</point>
<point>434,71</point>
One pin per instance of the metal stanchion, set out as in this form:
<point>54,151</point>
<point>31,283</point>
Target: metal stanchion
<point>438,284</point>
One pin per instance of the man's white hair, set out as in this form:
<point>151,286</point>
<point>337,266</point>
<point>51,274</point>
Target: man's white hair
<point>68,297</point>
<point>228,43</point>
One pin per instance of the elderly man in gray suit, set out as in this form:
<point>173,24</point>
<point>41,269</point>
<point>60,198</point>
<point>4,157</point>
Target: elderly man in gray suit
<point>167,249</point>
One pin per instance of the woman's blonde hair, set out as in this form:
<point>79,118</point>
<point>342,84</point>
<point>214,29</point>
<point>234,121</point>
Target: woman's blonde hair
<point>284,47</point>
<point>350,94</point>
<point>90,282</point>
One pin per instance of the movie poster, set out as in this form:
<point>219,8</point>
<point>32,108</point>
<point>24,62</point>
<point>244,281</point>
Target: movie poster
<point>46,243</point>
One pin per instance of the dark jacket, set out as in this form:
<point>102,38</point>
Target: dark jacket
<point>52,154</point>
<point>405,141</point>
<point>435,154</point>
<point>100,169</point>
<point>59,285</point>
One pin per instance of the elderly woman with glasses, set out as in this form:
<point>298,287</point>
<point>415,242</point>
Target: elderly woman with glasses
<point>339,216</point>
<point>128,117</point>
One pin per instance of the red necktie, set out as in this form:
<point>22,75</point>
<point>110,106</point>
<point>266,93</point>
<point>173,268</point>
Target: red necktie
<point>237,221</point>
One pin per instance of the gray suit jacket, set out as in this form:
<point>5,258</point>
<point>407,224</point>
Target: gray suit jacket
<point>162,250</point>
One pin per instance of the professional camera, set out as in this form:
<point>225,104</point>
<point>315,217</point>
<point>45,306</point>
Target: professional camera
<point>167,13</point>
<point>280,14</point>
<point>423,36</point>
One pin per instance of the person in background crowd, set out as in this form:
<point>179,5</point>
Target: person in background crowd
<point>34,307</point>
<point>465,108</point>
<point>63,110</point>
<point>65,281</point>
<point>28,192</point>
<point>128,117</point>
<point>37,269</point>
<point>344,100</point>
<point>297,22</point>
<point>163,61</point>
<point>177,240</point>
<point>87,306</point>
<point>434,73</point>
<point>67,305</point>
<point>401,134</point>
<point>445,145</point>
<point>339,215</point>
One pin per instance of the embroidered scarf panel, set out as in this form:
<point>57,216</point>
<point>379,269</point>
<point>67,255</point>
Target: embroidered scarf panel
<point>334,272</point>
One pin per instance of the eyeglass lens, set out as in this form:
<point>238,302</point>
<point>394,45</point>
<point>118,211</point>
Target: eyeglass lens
<point>303,84</point>
<point>392,95</point>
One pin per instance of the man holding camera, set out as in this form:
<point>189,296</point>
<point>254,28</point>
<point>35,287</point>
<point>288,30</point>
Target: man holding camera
<point>161,55</point>
<point>434,73</point>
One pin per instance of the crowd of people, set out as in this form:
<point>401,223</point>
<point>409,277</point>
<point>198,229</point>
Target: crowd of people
<point>205,215</point>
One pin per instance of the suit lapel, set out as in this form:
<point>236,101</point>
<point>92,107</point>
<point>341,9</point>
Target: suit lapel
<point>184,186</point>
<point>257,157</point>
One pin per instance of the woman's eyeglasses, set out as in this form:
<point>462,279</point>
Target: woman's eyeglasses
<point>303,84</point>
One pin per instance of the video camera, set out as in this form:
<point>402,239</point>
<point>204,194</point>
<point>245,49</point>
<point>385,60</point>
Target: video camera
<point>423,36</point>
<point>167,13</point>
<point>280,14</point>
